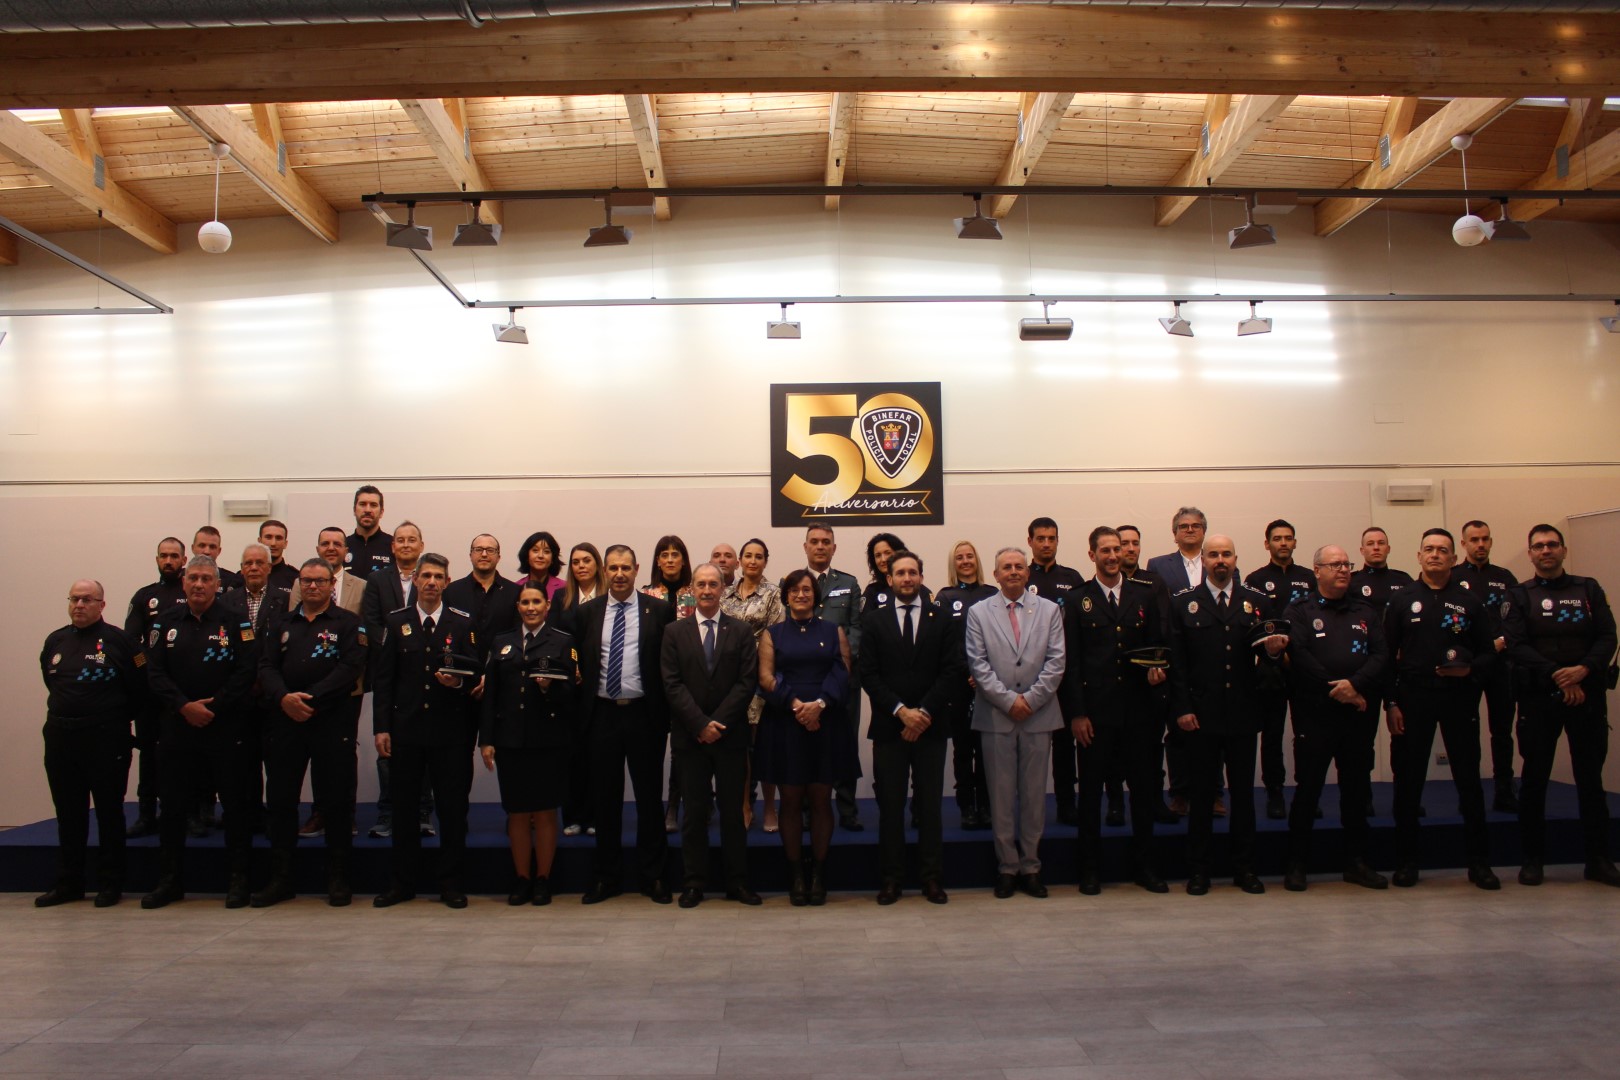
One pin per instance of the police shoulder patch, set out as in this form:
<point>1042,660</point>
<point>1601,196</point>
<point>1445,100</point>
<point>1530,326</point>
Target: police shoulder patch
<point>140,659</point>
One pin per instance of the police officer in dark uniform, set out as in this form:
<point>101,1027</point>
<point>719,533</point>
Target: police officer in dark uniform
<point>1376,579</point>
<point>206,541</point>
<point>144,607</point>
<point>1337,665</point>
<point>1477,570</point>
<point>202,660</point>
<point>1214,660</point>
<point>1052,581</point>
<point>1436,631</point>
<point>1562,639</point>
<point>1284,582</point>
<point>1108,701</point>
<point>967,757</point>
<point>423,721</point>
<point>95,686</point>
<point>369,548</point>
<point>307,673</point>
<point>1175,755</point>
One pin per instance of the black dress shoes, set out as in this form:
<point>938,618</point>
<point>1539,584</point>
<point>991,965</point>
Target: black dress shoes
<point>1484,877</point>
<point>1275,810</point>
<point>933,893</point>
<point>1602,871</point>
<point>1151,881</point>
<point>600,891</point>
<point>1006,885</point>
<point>1359,873</point>
<point>1115,818</point>
<point>454,899</point>
<point>1506,800</point>
<point>1295,879</point>
<point>1249,883</point>
<point>691,897</point>
<point>1198,885</point>
<point>1033,886</point>
<point>1531,873</point>
<point>851,823</point>
<point>889,893</point>
<point>60,894</point>
<point>236,891</point>
<point>522,892</point>
<point>1163,814</point>
<point>392,897</point>
<point>1404,877</point>
<point>165,894</point>
<point>658,892</point>
<point>542,892</point>
<point>1090,883</point>
<point>744,895</point>
<point>1067,813</point>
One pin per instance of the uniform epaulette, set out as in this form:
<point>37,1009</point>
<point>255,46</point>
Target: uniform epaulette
<point>562,633</point>
<point>1188,589</point>
<point>458,611</point>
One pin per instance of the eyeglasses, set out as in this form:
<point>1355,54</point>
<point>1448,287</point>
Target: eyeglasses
<point>1342,566</point>
<point>313,582</point>
<point>1546,545</point>
<point>1193,526</point>
<point>86,600</point>
<point>486,551</point>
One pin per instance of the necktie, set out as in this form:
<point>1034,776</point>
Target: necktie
<point>909,631</point>
<point>1012,614</point>
<point>1220,602</point>
<point>1113,603</point>
<point>428,626</point>
<point>528,643</point>
<point>615,668</point>
<point>708,642</point>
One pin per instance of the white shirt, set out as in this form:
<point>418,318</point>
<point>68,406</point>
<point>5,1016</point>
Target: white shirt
<point>1226,592</point>
<point>1195,569</point>
<point>1113,593</point>
<point>437,615</point>
<point>916,614</point>
<point>630,673</point>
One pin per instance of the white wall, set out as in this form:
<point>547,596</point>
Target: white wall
<point>297,370</point>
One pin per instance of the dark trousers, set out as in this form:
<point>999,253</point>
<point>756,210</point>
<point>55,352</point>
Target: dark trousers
<point>1587,726</point>
<point>1497,696</point>
<point>895,764</point>
<point>624,736</point>
<point>718,768</point>
<point>1137,741</point>
<point>385,802</point>
<point>449,768</point>
<point>1336,735</point>
<point>1206,751</point>
<point>1065,765</point>
<point>85,763</point>
<point>216,757</point>
<point>324,745</point>
<point>1272,707</point>
<point>967,763</point>
<point>148,725</point>
<point>1178,762</point>
<point>1452,712</point>
<point>579,805</point>
<point>844,790</point>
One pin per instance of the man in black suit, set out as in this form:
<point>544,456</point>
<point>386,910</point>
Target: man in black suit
<point>620,641</point>
<point>390,589</point>
<point>265,605</point>
<point>423,722</point>
<point>1183,568</point>
<point>911,662</point>
<point>710,668</point>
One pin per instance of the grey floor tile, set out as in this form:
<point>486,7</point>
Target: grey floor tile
<point>628,1060</point>
<point>67,1060</point>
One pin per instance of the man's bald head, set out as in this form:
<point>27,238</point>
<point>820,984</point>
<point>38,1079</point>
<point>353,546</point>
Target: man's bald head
<point>1220,560</point>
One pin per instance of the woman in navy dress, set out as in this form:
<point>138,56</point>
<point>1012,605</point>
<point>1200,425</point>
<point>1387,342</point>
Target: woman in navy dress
<point>807,734</point>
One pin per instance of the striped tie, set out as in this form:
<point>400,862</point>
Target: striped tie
<point>615,668</point>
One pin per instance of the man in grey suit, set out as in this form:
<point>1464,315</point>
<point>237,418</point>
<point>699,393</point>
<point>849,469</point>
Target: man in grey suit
<point>1183,568</point>
<point>1015,655</point>
<point>710,669</point>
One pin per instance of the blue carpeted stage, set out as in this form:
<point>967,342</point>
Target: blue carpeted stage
<point>28,862</point>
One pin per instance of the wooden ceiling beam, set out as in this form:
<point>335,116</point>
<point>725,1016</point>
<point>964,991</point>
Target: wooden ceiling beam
<point>8,248</point>
<point>81,133</point>
<point>1231,133</point>
<point>64,171</point>
<point>443,125</point>
<point>799,47</point>
<point>218,124</point>
<point>644,123</point>
<point>840,119</point>
<point>1410,156</point>
<point>267,122</point>
<point>1398,117</point>
<point>1592,165</point>
<point>1038,118</point>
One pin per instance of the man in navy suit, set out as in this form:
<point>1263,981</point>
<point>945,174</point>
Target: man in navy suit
<point>911,662</point>
<point>620,641</point>
<point>1183,568</point>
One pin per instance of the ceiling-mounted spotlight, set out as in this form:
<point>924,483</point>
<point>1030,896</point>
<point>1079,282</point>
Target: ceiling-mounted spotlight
<point>977,227</point>
<point>1505,228</point>
<point>1175,324</point>
<point>215,236</point>
<point>1470,229</point>
<point>1254,324</point>
<point>608,234</point>
<point>1045,329</point>
<point>509,331</point>
<point>477,233</point>
<point>410,235</point>
<point>781,329</point>
<point>1611,323</point>
<point>1250,234</point>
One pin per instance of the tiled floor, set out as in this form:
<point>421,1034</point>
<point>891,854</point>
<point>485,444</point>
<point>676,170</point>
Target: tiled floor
<point>1435,982</point>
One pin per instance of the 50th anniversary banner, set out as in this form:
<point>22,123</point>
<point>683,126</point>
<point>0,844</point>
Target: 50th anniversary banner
<point>856,454</point>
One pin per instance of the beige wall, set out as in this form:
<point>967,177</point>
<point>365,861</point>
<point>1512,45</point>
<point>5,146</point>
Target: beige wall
<point>295,370</point>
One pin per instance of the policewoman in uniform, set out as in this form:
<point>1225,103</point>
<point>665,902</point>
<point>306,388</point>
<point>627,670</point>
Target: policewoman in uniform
<point>308,673</point>
<point>966,588</point>
<point>528,706</point>
<point>202,661</point>
<point>422,720</point>
<point>95,686</point>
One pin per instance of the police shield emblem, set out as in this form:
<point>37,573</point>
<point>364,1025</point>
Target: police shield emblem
<point>891,436</point>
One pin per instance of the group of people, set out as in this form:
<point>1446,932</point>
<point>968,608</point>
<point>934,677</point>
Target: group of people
<point>575,673</point>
